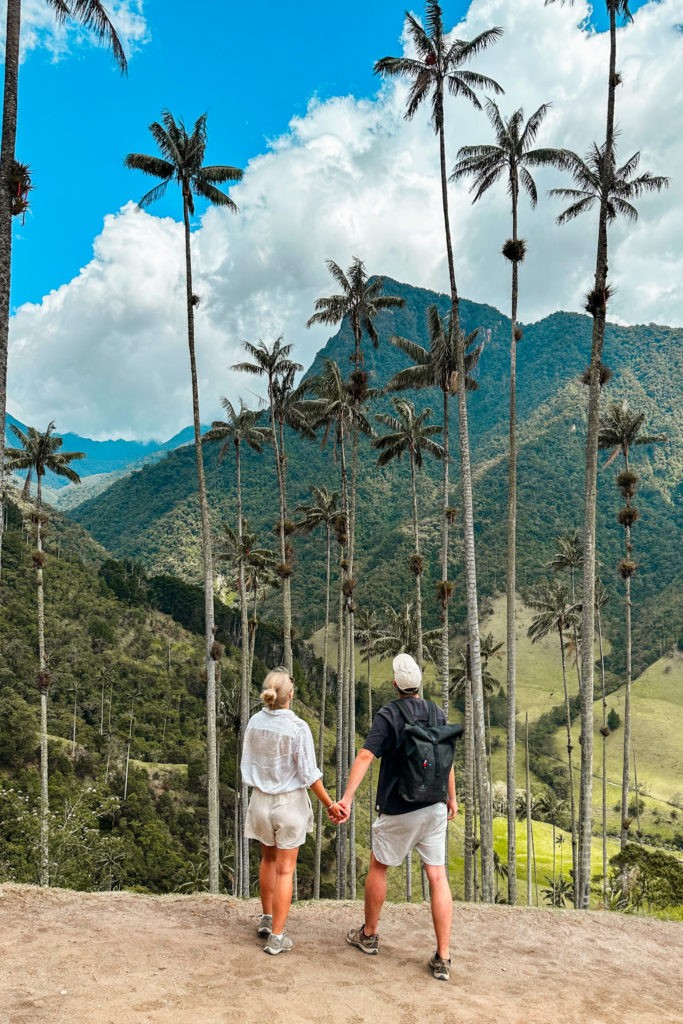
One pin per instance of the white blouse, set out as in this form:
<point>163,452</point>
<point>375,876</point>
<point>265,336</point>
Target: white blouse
<point>278,754</point>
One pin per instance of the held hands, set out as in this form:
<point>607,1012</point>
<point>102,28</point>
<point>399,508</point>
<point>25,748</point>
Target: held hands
<point>338,812</point>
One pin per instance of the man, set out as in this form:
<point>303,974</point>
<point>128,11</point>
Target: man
<point>401,826</point>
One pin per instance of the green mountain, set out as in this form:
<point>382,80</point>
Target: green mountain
<point>152,515</point>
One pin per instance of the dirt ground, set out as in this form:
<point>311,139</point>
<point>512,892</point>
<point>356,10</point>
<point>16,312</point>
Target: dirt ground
<point>119,958</point>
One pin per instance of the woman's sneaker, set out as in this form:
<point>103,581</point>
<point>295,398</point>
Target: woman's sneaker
<point>265,925</point>
<point>277,944</point>
<point>441,967</point>
<point>366,943</point>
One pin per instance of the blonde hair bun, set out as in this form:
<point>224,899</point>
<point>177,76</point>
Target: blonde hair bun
<point>277,688</point>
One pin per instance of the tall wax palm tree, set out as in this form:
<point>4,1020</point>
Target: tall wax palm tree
<point>38,454</point>
<point>598,181</point>
<point>334,405</point>
<point>274,364</point>
<point>410,433</point>
<point>322,510</point>
<point>182,161</point>
<point>252,564</point>
<point>568,558</point>
<point>556,613</point>
<point>437,68</point>
<point>461,689</point>
<point>437,366</point>
<point>92,15</point>
<point>510,158</point>
<point>601,599</point>
<point>620,430</point>
<point>360,301</point>
<point>241,427</point>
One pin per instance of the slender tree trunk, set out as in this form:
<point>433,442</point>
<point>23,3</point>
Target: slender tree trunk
<point>625,778</point>
<point>418,567</point>
<point>352,654</point>
<point>582,879</point>
<point>9,134</point>
<point>604,760</point>
<point>207,561</point>
<point>445,593</point>
<point>44,686</point>
<point>484,789</point>
<point>529,829</point>
<point>511,589</point>
<point>323,700</point>
<point>635,786</point>
<point>286,567</point>
<point>469,795</point>
<point>570,747</point>
<point>245,688</point>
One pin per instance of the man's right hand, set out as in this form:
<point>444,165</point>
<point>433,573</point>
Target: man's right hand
<point>344,810</point>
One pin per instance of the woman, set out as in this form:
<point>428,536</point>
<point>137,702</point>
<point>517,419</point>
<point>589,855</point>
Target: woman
<point>278,761</point>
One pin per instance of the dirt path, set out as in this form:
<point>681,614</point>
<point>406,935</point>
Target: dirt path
<point>118,958</point>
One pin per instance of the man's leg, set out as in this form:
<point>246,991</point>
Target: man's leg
<point>442,906</point>
<point>266,877</point>
<point>375,894</point>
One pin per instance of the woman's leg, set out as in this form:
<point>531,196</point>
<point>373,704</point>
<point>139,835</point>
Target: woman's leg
<point>267,876</point>
<point>285,863</point>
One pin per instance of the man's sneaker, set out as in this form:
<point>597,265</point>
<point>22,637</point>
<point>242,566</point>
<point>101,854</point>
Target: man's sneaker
<point>440,967</point>
<point>277,944</point>
<point>366,943</point>
<point>265,925</point>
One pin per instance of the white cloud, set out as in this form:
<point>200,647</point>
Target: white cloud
<point>41,30</point>
<point>354,178</point>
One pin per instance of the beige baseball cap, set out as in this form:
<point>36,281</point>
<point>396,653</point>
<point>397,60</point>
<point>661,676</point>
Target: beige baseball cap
<point>407,674</point>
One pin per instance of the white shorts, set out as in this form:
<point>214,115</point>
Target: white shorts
<point>394,836</point>
<point>279,819</point>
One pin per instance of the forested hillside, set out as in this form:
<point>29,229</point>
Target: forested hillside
<point>152,515</point>
<point>126,719</point>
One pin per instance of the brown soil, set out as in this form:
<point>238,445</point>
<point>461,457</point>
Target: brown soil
<point>118,958</point>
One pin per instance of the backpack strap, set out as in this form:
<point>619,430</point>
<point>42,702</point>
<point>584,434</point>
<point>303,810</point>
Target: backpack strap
<point>408,715</point>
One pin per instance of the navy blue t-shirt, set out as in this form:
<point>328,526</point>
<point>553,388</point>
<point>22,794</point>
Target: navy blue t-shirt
<point>385,740</point>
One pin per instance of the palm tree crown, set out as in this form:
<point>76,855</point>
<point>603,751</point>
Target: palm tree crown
<point>359,299</point>
<point>511,154</point>
<point>439,64</point>
<point>436,366</point>
<point>40,453</point>
<point>620,429</point>
<point>620,188</point>
<point>242,426</point>
<point>409,432</point>
<point>182,156</point>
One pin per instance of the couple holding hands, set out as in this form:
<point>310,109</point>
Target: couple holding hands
<point>279,763</point>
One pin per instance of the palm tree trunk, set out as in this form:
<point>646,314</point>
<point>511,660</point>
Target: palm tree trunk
<point>625,778</point>
<point>418,568</point>
<point>339,748</point>
<point>511,590</point>
<point>9,135</point>
<point>445,595</point>
<point>604,760</point>
<point>43,685</point>
<point>469,795</point>
<point>323,701</point>
<point>244,666</point>
<point>352,658</point>
<point>286,583</point>
<point>207,561</point>
<point>484,789</point>
<point>529,830</point>
<point>568,722</point>
<point>582,879</point>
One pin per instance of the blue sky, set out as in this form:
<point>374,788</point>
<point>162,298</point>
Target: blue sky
<point>331,171</point>
<point>250,66</point>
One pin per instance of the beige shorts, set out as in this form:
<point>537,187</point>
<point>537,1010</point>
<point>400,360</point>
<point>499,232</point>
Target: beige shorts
<point>279,819</point>
<point>423,830</point>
